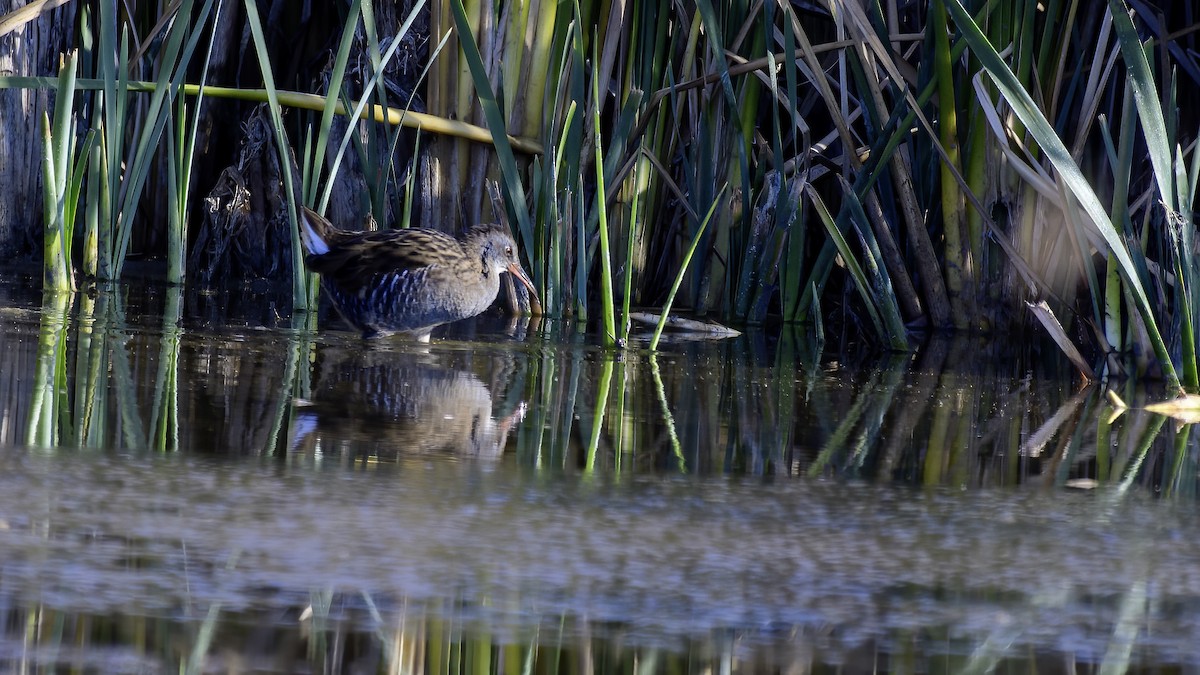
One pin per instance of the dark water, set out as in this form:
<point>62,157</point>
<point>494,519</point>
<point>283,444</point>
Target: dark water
<point>187,487</point>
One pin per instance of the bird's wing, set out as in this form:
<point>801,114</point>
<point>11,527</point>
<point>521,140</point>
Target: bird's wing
<point>373,254</point>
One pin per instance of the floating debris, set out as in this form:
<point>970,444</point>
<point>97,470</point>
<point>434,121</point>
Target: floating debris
<point>714,330</point>
<point>1186,408</point>
<point>1042,312</point>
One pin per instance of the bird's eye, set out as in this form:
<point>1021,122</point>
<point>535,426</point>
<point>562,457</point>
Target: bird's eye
<point>507,250</point>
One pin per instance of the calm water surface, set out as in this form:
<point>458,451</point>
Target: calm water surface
<point>189,486</point>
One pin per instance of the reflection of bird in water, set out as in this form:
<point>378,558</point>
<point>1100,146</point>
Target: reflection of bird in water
<point>409,281</point>
<point>389,404</point>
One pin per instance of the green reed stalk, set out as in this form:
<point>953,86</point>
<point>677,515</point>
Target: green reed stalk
<point>606,286</point>
<point>727,116</point>
<point>630,244</point>
<point>512,48</point>
<point>881,291</point>
<point>90,257</point>
<point>64,136</point>
<point>513,189</point>
<point>312,172</point>
<point>864,287</point>
<point>557,253</point>
<point>59,187</point>
<point>181,151</point>
<point>1159,145</point>
<point>1153,122</point>
<point>683,266</point>
<point>958,263</point>
<point>358,111</point>
<point>113,101</point>
<point>56,277</point>
<point>1121,160</point>
<point>1024,107</point>
<point>977,155</point>
<point>373,142</point>
<point>540,67</point>
<point>176,199</point>
<point>300,281</point>
<point>77,171</point>
<point>410,185</point>
<point>581,266</point>
<point>180,44</point>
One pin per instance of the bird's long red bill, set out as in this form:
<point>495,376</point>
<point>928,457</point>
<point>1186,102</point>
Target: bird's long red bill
<point>519,273</point>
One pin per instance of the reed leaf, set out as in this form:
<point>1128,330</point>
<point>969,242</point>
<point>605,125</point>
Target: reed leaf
<point>861,284</point>
<point>74,187</point>
<point>513,189</point>
<point>606,286</point>
<point>54,261</point>
<point>359,107</point>
<point>1104,233</point>
<point>1145,94</point>
<point>683,267</point>
<point>173,62</point>
<point>300,282</point>
<point>336,77</point>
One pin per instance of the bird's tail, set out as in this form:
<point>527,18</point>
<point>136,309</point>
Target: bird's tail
<point>315,232</point>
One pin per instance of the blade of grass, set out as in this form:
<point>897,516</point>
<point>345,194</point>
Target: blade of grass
<point>606,288</point>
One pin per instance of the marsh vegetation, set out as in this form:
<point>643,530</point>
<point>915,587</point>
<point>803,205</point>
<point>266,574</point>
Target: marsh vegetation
<point>888,169</point>
<point>195,478</point>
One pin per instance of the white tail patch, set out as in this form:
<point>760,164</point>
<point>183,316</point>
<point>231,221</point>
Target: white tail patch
<point>313,243</point>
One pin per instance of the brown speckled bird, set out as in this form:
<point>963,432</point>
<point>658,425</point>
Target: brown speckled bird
<point>409,281</point>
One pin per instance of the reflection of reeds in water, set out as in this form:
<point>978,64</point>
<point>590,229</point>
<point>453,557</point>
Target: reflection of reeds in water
<point>948,415</point>
<point>164,415</point>
<point>944,417</point>
<point>93,380</point>
<point>362,634</point>
<point>48,416</point>
<point>338,634</point>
